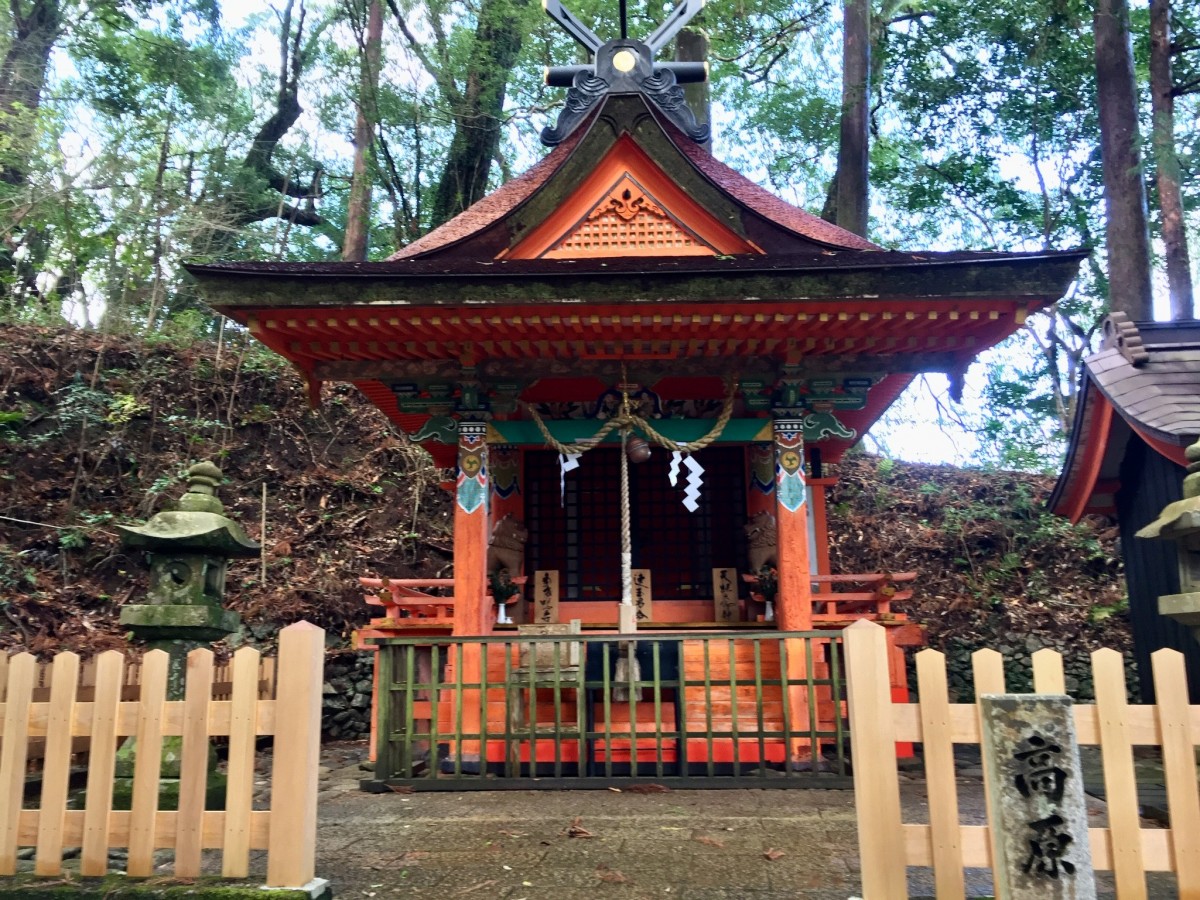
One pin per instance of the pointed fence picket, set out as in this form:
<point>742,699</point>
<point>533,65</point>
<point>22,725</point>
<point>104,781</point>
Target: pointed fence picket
<point>1123,847</point>
<point>61,706</point>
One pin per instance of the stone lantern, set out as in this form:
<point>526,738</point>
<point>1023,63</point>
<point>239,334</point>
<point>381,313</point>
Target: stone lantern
<point>189,550</point>
<point>1180,522</point>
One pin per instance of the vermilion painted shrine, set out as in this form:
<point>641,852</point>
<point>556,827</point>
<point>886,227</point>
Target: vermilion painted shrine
<point>631,287</point>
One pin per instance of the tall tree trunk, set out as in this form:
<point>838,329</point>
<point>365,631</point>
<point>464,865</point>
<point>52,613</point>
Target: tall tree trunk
<point>1170,197</point>
<point>358,212</point>
<point>1127,237</point>
<point>158,199</point>
<point>848,198</point>
<point>22,77</point>
<point>691,45</point>
<point>478,117</point>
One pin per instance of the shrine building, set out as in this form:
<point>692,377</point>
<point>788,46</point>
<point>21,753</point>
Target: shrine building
<point>639,366</point>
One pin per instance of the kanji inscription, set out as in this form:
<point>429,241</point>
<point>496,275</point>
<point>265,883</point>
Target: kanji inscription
<point>1036,805</point>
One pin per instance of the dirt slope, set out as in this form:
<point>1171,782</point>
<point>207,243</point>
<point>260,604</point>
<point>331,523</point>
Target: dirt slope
<point>95,430</point>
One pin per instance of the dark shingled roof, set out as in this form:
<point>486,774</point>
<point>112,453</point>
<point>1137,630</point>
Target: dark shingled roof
<point>1151,378</point>
<point>508,198</point>
<point>494,206</point>
<point>763,202</point>
<point>1162,395</point>
<point>602,267</point>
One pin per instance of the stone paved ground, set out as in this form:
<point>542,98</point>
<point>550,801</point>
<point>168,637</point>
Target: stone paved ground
<point>740,843</point>
<point>743,843</point>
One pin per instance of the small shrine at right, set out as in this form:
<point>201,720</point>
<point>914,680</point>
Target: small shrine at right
<point>1137,413</point>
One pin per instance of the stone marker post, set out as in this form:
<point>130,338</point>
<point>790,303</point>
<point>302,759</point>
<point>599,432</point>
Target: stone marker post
<point>189,550</point>
<point>1036,806</point>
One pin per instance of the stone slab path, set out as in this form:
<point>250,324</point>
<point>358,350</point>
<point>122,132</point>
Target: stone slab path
<point>563,845</point>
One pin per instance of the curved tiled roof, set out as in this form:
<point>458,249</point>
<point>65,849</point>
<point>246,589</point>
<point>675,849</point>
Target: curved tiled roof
<point>760,200</point>
<point>495,206</point>
<point>503,201</point>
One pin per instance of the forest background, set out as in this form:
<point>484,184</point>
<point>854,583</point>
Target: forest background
<point>136,134</point>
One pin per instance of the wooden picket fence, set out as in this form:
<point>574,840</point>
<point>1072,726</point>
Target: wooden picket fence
<point>131,680</point>
<point>287,830</point>
<point>1124,847</point>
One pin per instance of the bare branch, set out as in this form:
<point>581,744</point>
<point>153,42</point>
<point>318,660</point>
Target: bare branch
<point>440,75</point>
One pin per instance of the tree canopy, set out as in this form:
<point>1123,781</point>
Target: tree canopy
<point>135,134</point>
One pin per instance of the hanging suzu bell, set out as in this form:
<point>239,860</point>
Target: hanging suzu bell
<point>637,450</point>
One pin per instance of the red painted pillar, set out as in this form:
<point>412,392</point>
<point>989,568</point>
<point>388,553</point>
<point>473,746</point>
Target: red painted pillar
<point>793,599</point>
<point>471,613</point>
<point>472,616</point>
<point>793,602</point>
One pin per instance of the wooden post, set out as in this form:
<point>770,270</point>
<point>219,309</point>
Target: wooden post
<point>292,846</point>
<point>193,766</point>
<point>13,751</point>
<point>471,617</point>
<point>471,614</point>
<point>1120,780</point>
<point>1179,766</point>
<point>987,670</point>
<point>56,764</point>
<point>101,761</point>
<point>939,774</point>
<point>239,789</point>
<point>876,783</point>
<point>147,763</point>
<point>793,602</point>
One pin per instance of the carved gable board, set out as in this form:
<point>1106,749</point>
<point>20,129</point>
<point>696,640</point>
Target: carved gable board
<point>628,206</point>
<point>629,220</point>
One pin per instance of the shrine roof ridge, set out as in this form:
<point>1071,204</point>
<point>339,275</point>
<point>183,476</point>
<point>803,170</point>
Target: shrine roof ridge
<point>616,116</point>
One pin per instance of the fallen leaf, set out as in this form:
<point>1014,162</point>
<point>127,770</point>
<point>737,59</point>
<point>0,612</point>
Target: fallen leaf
<point>774,854</point>
<point>576,830</point>
<point>709,841</point>
<point>612,876</point>
<point>647,789</point>
<point>401,789</point>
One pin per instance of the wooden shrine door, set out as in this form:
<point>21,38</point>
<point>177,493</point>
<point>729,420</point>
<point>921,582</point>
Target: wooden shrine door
<point>578,532</point>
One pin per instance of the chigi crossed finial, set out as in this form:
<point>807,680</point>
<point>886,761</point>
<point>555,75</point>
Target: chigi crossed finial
<point>625,65</point>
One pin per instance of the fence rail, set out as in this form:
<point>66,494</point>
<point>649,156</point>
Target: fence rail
<point>287,829</point>
<point>131,675</point>
<point>131,679</point>
<point>1123,847</point>
<point>586,710</point>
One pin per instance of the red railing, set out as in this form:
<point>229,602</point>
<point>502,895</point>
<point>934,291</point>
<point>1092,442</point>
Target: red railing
<point>868,597</point>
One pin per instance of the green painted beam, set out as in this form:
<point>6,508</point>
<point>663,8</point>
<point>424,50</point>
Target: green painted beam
<point>737,431</point>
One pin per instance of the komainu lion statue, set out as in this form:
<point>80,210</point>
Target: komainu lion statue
<point>507,550</point>
<point>760,541</point>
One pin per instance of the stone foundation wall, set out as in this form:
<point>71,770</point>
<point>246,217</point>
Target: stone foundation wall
<point>346,706</point>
